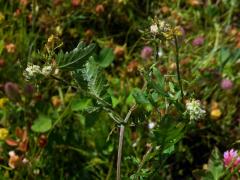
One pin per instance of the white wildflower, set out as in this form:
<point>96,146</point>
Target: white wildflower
<point>46,70</point>
<point>194,109</point>
<point>151,125</point>
<point>154,29</point>
<point>31,71</point>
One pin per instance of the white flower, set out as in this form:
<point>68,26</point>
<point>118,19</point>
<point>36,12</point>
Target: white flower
<point>194,109</point>
<point>31,71</point>
<point>154,29</point>
<point>46,70</point>
<point>151,125</point>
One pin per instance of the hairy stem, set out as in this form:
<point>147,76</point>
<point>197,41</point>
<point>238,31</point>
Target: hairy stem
<point>120,144</point>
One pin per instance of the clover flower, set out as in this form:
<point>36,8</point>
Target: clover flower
<point>198,41</point>
<point>194,109</point>
<point>231,159</point>
<point>146,52</point>
<point>226,84</point>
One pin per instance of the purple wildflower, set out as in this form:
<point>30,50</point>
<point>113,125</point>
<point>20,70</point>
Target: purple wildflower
<point>226,84</point>
<point>146,52</point>
<point>198,41</point>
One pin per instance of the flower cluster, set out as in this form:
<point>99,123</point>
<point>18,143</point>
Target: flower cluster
<point>194,109</point>
<point>163,29</point>
<point>33,70</point>
<point>231,159</point>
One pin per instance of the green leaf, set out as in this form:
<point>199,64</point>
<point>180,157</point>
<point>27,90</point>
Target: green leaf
<point>91,118</point>
<point>105,57</point>
<point>92,79</point>
<point>42,124</point>
<point>159,78</point>
<point>169,132</point>
<point>81,104</point>
<point>76,58</point>
<point>215,165</point>
<point>140,96</point>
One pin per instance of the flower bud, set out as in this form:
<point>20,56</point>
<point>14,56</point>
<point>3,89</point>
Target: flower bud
<point>12,91</point>
<point>42,140</point>
<point>28,90</point>
<point>2,63</point>
<point>99,9</point>
<point>75,3</point>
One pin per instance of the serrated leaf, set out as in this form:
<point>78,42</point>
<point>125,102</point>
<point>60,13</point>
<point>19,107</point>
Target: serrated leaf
<point>76,58</point>
<point>42,124</point>
<point>105,57</point>
<point>92,79</point>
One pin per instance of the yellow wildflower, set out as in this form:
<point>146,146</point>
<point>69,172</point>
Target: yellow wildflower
<point>216,114</point>
<point>3,133</point>
<point>3,102</point>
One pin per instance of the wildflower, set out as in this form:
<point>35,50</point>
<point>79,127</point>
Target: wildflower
<point>194,109</point>
<point>75,3</point>
<point>3,133</point>
<point>24,2</point>
<point>231,158</point>
<point>146,52</point>
<point>14,160</point>
<point>3,102</point>
<point>154,29</point>
<point>165,30</point>
<point>31,71</point>
<point>11,48</point>
<point>46,70</point>
<point>216,114</point>
<point>226,84</point>
<point>215,111</point>
<point>151,125</point>
<point>12,91</point>
<point>119,51</point>
<point>99,9</point>
<point>132,66</point>
<point>56,101</point>
<point>28,90</point>
<point>17,12</point>
<point>2,63</point>
<point>198,41</point>
<point>194,2</point>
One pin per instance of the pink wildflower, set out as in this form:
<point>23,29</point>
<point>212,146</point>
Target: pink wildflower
<point>146,52</point>
<point>198,41</point>
<point>231,158</point>
<point>226,84</point>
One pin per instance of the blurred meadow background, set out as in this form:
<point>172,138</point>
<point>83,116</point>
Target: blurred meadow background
<point>126,89</point>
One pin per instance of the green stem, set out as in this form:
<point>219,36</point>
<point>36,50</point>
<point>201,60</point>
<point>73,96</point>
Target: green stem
<point>178,69</point>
